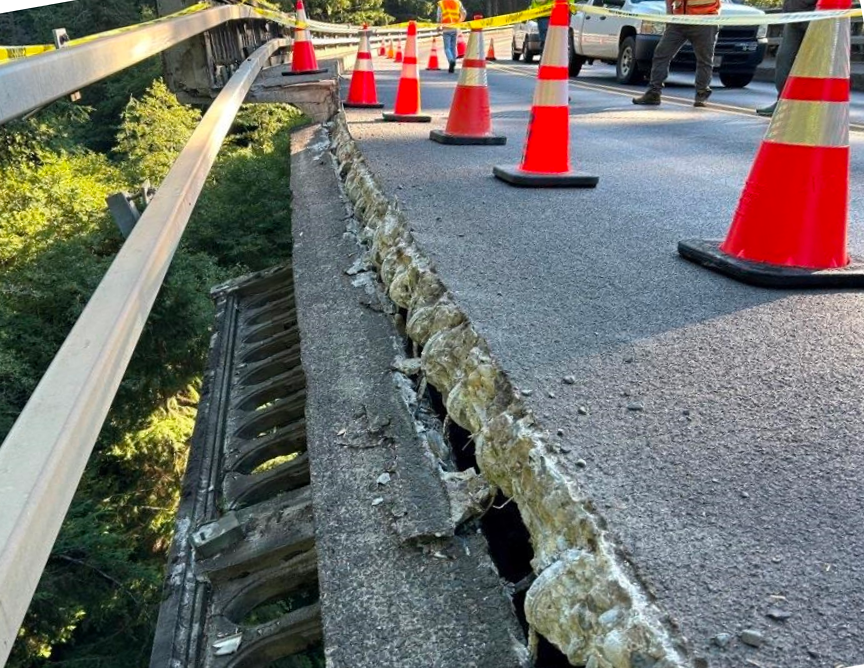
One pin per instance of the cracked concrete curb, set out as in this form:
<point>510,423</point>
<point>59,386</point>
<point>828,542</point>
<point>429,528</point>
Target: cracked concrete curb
<point>585,599</point>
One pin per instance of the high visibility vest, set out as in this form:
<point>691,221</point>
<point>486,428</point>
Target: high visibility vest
<point>537,3</point>
<point>696,7</point>
<point>449,11</point>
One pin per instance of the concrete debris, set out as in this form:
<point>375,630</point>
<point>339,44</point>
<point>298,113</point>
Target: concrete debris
<point>584,600</point>
<point>722,640</point>
<point>377,501</point>
<point>752,638</point>
<point>213,537</point>
<point>470,494</point>
<point>409,367</point>
<point>383,479</point>
<point>778,615</point>
<point>228,645</point>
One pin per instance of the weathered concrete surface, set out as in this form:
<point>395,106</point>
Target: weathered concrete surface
<point>244,537</point>
<point>390,596</point>
<point>734,481</point>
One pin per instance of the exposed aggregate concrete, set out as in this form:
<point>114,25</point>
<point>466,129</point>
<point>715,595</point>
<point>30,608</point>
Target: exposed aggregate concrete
<point>585,599</point>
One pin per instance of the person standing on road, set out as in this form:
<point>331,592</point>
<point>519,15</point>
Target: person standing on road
<point>703,39</point>
<point>542,22</point>
<point>793,36</point>
<point>450,11</point>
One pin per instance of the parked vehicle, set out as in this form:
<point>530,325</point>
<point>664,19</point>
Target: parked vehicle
<point>629,43</point>
<point>526,41</point>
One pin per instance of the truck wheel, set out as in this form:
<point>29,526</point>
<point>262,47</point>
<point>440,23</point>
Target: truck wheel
<point>627,69</point>
<point>514,54</point>
<point>574,61</point>
<point>735,80</point>
<point>527,56</point>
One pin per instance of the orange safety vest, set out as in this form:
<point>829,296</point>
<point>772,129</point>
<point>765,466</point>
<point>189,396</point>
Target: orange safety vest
<point>696,6</point>
<point>449,11</point>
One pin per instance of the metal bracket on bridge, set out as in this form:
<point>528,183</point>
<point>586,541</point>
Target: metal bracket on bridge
<point>61,39</point>
<point>124,210</point>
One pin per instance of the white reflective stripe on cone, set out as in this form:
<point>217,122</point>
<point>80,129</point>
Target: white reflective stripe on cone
<point>555,50</point>
<point>409,71</point>
<point>551,93</point>
<point>474,50</point>
<point>472,76</point>
<point>810,123</point>
<point>363,65</point>
<point>825,51</point>
<point>364,43</point>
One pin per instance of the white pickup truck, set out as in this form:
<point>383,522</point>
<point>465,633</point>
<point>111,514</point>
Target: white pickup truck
<point>629,43</point>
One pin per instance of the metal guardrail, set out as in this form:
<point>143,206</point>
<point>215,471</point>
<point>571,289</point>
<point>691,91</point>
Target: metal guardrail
<point>44,455</point>
<point>33,82</point>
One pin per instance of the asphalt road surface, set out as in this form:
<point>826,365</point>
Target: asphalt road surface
<point>724,439</point>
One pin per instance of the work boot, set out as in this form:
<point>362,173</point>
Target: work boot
<point>650,97</point>
<point>702,98</point>
<point>767,111</point>
<point>452,67</point>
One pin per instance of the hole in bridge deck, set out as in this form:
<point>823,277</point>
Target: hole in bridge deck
<point>508,538</point>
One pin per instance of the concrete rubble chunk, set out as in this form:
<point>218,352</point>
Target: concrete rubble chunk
<point>211,538</point>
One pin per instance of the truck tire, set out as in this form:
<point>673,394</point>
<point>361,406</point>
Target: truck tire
<point>575,62</point>
<point>514,54</point>
<point>627,69</point>
<point>736,80</point>
<point>527,56</point>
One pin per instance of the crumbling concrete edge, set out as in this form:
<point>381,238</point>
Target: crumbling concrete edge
<point>586,599</point>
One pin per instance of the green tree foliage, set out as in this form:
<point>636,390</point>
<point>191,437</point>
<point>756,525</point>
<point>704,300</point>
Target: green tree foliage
<point>155,129</point>
<point>98,599</point>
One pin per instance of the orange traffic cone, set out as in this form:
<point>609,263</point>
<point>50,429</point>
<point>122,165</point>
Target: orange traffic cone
<point>490,55</point>
<point>790,226</point>
<point>362,92</point>
<point>391,54</point>
<point>407,107</point>
<point>398,58</point>
<point>303,59</point>
<point>382,50</point>
<point>470,121</point>
<point>546,158</point>
<point>460,45</point>
<point>433,56</point>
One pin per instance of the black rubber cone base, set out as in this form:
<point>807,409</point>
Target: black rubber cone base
<point>708,254</point>
<point>289,73</point>
<point>516,177</point>
<point>406,118</point>
<point>363,105</point>
<point>488,140</point>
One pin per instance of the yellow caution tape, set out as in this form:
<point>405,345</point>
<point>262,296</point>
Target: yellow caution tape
<point>719,19</point>
<point>14,52</point>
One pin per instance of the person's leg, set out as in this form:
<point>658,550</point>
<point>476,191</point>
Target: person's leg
<point>703,39</point>
<point>450,46</point>
<point>542,29</point>
<point>668,46</point>
<point>793,35</point>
